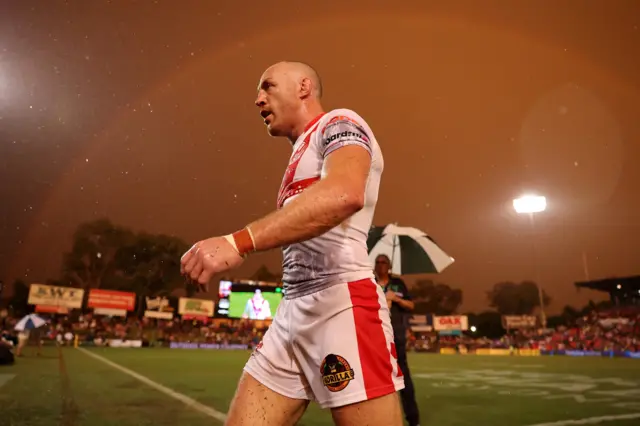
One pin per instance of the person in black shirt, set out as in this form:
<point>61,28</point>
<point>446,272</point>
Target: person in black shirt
<point>400,306</point>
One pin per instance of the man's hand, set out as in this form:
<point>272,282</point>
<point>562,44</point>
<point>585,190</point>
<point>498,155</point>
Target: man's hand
<point>209,257</point>
<point>391,296</point>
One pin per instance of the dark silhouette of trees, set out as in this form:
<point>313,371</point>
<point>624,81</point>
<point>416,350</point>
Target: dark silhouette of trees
<point>437,299</point>
<point>109,256</point>
<point>18,301</point>
<point>150,265</point>
<point>510,298</point>
<point>91,260</point>
<point>264,274</point>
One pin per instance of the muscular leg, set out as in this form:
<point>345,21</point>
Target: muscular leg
<point>382,411</point>
<point>256,405</point>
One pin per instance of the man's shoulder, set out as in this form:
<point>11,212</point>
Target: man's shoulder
<point>342,114</point>
<point>344,124</point>
<point>343,111</point>
<point>394,279</point>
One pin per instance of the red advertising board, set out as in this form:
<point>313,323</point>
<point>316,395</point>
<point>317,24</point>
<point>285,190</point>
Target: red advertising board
<point>110,299</point>
<point>453,322</point>
<point>200,318</point>
<point>46,309</point>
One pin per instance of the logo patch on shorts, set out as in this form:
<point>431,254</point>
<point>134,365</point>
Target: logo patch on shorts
<point>256,349</point>
<point>336,372</point>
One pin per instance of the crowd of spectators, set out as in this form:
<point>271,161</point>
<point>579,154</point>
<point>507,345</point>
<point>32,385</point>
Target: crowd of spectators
<point>616,330</point>
<point>99,330</point>
<point>612,330</point>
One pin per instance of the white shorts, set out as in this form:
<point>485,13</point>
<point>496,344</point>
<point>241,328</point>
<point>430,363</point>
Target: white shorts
<point>334,347</point>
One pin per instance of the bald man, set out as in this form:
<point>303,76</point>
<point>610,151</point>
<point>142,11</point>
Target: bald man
<point>331,339</point>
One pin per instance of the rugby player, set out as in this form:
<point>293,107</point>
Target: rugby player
<point>331,340</point>
<point>257,308</point>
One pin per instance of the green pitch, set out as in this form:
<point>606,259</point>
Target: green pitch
<point>72,388</point>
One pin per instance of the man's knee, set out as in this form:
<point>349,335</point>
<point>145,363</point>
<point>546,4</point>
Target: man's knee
<point>256,404</point>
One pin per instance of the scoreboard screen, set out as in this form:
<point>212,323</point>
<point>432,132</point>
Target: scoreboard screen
<point>248,299</point>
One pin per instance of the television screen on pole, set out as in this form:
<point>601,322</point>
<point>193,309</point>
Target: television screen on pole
<point>255,300</point>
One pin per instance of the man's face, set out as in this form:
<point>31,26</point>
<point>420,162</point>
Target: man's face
<point>382,266</point>
<point>278,99</point>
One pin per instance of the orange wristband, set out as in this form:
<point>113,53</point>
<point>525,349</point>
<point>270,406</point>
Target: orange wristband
<point>244,241</point>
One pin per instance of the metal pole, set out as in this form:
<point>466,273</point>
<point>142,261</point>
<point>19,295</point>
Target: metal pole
<point>543,316</point>
<point>393,250</point>
<point>585,266</point>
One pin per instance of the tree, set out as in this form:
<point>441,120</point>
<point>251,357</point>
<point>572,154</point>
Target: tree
<point>597,306</point>
<point>437,299</point>
<point>150,265</point>
<point>91,259</point>
<point>264,274</point>
<point>510,298</point>
<point>108,256</point>
<point>19,300</point>
<point>570,314</point>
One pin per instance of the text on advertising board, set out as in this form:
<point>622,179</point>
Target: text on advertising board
<point>49,295</point>
<point>111,299</point>
<point>196,307</point>
<point>453,322</point>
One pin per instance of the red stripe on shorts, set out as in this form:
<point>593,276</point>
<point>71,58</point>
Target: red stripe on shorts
<point>394,354</point>
<point>375,358</point>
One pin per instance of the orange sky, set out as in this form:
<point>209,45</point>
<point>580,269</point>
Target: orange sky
<point>142,113</point>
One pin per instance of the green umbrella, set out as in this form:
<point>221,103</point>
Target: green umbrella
<point>410,250</point>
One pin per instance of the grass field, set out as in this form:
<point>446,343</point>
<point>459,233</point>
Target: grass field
<point>70,387</point>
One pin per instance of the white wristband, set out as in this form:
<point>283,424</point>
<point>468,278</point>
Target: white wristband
<point>232,241</point>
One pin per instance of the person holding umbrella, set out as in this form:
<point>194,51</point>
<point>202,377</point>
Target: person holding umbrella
<point>405,250</point>
<point>400,305</point>
<point>28,327</point>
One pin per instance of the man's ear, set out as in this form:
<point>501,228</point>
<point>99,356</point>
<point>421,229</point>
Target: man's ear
<point>306,87</point>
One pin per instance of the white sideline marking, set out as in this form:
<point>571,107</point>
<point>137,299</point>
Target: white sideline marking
<point>189,402</point>
<point>591,420</point>
<point>493,364</point>
<point>4,379</point>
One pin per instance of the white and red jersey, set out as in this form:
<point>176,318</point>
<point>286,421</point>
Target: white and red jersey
<point>339,255</point>
<point>257,308</point>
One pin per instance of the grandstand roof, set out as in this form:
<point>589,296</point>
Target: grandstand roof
<point>611,284</point>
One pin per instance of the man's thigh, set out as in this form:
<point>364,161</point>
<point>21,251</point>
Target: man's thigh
<point>343,341</point>
<point>272,389</point>
<point>382,411</point>
<point>254,404</point>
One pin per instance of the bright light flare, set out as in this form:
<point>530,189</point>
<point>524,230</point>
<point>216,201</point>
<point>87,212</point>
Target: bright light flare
<point>530,204</point>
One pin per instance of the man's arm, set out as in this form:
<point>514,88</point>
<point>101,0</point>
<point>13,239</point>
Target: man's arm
<point>322,206</point>
<point>346,154</point>
<point>405,303</point>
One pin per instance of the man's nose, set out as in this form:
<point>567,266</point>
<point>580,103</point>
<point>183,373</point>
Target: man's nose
<point>260,102</point>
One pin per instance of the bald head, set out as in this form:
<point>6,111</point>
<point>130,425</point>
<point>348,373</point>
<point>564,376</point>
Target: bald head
<point>289,95</point>
<point>299,72</point>
<point>307,71</point>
